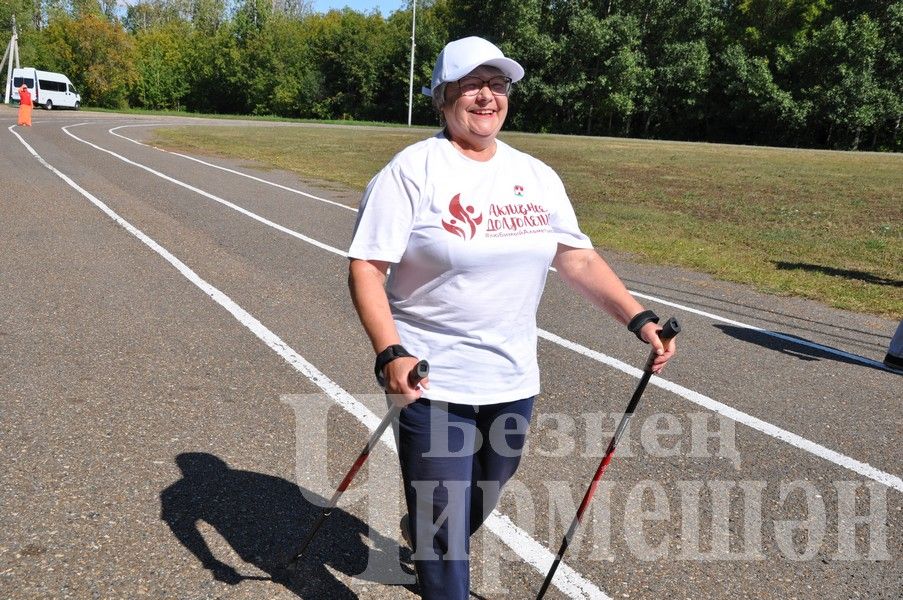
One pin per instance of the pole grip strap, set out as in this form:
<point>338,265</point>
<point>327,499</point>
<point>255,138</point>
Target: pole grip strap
<point>637,322</point>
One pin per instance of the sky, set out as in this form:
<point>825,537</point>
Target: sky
<point>386,7</point>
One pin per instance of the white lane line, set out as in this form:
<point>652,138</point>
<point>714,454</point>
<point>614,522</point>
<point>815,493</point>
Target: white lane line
<point>736,415</point>
<point>221,168</point>
<point>864,469</point>
<point>569,581</point>
<point>782,336</point>
<point>213,197</point>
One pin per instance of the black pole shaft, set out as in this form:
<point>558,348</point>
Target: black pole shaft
<point>420,371</point>
<point>346,481</point>
<point>671,329</point>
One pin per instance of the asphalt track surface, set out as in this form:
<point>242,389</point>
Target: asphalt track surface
<point>183,378</point>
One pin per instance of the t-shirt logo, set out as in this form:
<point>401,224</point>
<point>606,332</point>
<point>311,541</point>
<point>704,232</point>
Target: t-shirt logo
<point>462,224</point>
<point>519,191</point>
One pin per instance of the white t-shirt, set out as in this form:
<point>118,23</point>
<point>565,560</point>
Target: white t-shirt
<point>471,243</point>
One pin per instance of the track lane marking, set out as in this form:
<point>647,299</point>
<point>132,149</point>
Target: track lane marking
<point>228,170</point>
<point>206,194</point>
<point>864,469</point>
<point>569,581</point>
<point>868,471</point>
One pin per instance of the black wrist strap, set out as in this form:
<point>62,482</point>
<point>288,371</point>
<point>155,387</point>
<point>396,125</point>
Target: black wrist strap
<point>385,357</point>
<point>639,320</point>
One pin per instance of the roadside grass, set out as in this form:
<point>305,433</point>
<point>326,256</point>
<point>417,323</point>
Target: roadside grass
<point>817,224</point>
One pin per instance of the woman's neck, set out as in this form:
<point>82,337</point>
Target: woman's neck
<point>471,150</point>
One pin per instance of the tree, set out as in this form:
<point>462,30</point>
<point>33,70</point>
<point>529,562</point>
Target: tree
<point>796,72</point>
<point>161,61</point>
<point>351,50</point>
<point>604,70</point>
<point>212,62</point>
<point>281,77</point>
<point>80,8</point>
<point>96,54</point>
<point>391,101</point>
<point>293,9</point>
<point>676,40</point>
<point>23,10</point>
<point>149,14</point>
<point>836,69</point>
<point>747,105</point>
<point>207,16</point>
<point>889,72</point>
<point>763,25</point>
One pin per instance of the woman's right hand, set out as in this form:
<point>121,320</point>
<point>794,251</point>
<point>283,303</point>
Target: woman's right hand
<point>398,381</point>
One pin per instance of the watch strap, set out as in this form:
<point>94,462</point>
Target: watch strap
<point>638,321</point>
<point>385,357</point>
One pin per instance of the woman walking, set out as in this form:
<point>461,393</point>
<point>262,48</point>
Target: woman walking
<point>25,106</point>
<point>469,227</point>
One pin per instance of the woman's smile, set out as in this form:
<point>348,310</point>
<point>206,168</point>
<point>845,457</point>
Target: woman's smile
<point>474,121</point>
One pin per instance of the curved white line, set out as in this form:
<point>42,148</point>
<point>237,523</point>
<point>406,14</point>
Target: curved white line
<point>213,197</point>
<point>221,168</point>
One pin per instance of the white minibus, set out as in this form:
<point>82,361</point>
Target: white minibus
<point>50,90</point>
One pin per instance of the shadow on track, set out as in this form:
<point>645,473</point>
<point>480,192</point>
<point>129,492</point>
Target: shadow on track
<point>755,311</point>
<point>863,276</point>
<point>787,347</point>
<point>263,518</point>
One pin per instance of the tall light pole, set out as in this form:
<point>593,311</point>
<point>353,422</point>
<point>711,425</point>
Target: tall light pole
<point>411,80</point>
<point>12,53</point>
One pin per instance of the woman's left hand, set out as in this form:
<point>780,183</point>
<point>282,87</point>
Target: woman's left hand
<point>399,387</point>
<point>649,333</point>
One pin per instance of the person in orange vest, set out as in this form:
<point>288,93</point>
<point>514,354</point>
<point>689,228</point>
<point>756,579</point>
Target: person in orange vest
<point>25,106</point>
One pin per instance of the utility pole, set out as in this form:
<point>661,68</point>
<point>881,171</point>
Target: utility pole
<point>411,81</point>
<point>11,54</point>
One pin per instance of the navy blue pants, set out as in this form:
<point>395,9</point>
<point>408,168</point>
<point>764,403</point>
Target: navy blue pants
<point>455,459</point>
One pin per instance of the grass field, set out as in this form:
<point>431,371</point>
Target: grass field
<point>231,117</point>
<point>817,224</point>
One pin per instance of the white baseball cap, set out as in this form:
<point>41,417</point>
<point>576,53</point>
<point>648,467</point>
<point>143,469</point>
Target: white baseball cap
<point>460,57</point>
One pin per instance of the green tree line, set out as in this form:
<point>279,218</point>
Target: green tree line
<point>811,73</point>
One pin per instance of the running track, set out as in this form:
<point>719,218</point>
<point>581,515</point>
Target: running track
<point>157,304</point>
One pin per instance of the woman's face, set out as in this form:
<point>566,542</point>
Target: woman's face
<point>474,121</point>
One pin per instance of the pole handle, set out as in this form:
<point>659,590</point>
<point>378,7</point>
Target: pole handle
<point>420,371</point>
<point>670,329</point>
<point>667,333</point>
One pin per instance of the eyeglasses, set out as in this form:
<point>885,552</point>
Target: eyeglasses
<point>498,85</point>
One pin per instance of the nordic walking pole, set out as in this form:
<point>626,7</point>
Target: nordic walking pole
<point>420,371</point>
<point>667,333</point>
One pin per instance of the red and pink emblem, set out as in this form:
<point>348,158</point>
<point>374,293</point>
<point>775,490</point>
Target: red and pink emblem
<point>463,224</point>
